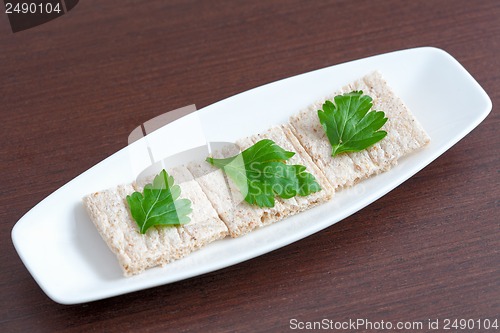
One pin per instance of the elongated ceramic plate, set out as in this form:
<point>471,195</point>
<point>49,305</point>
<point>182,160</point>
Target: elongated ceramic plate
<point>66,256</point>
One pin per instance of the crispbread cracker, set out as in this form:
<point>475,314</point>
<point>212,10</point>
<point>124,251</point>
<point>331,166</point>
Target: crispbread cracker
<point>136,252</point>
<point>404,135</point>
<point>239,216</point>
<point>284,138</point>
<point>267,215</point>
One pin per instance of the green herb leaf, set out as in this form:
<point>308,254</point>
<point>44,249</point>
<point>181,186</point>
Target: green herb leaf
<point>159,204</point>
<point>260,173</point>
<point>348,124</point>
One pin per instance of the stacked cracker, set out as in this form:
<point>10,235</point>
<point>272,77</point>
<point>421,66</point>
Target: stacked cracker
<point>218,208</point>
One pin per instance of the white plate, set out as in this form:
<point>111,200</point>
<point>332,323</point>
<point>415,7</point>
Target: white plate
<point>66,256</point>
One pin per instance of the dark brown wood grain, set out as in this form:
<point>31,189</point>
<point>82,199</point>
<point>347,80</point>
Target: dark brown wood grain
<point>72,89</point>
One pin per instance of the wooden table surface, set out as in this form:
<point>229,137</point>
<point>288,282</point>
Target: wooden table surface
<point>73,89</point>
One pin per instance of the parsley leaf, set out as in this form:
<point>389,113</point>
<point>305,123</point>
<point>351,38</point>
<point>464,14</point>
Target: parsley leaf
<point>348,124</point>
<point>160,204</point>
<point>260,173</point>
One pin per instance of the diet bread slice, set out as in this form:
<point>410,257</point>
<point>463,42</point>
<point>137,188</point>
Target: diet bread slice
<point>239,216</point>
<point>135,252</point>
<point>404,135</point>
<point>160,245</point>
<point>284,138</point>
<point>404,132</point>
